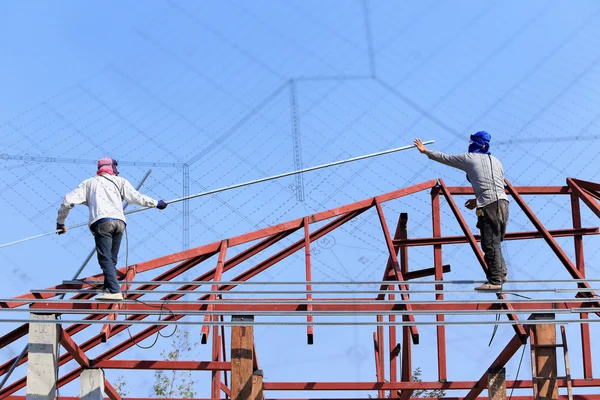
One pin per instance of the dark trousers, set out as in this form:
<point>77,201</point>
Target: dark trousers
<point>493,228</point>
<point>108,235</point>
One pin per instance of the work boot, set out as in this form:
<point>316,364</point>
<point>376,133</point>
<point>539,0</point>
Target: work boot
<point>489,287</point>
<point>111,296</point>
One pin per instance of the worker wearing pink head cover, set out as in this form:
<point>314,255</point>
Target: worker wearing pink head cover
<point>104,195</point>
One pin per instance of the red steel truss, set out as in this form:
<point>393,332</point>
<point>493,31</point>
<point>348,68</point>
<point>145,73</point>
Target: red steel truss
<point>398,381</point>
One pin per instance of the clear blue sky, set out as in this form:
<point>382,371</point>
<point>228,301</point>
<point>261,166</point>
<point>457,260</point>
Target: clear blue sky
<point>217,85</point>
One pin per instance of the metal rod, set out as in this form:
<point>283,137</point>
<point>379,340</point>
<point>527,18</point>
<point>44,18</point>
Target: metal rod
<point>238,185</point>
<point>312,292</point>
<point>302,301</point>
<point>167,311</point>
<point>297,323</point>
<point>303,283</point>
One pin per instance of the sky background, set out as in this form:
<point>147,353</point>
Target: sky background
<point>213,93</point>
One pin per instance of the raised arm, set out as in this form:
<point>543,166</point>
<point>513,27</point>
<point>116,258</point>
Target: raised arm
<point>458,161</point>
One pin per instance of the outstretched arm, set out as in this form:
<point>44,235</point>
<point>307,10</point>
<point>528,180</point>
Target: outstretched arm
<point>457,161</point>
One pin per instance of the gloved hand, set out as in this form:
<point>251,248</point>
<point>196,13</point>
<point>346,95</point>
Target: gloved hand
<point>161,205</point>
<point>62,228</point>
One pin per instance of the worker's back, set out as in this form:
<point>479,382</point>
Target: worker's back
<point>104,195</point>
<point>484,171</point>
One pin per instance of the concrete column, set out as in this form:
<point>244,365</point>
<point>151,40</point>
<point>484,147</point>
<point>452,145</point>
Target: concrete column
<point>91,384</point>
<point>42,363</point>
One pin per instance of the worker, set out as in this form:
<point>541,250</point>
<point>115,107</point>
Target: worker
<point>486,175</point>
<point>104,195</point>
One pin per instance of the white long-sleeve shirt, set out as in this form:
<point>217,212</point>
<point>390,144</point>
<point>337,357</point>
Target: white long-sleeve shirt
<point>103,198</point>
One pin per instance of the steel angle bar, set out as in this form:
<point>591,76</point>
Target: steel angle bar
<point>384,282</point>
<point>316,292</point>
<point>297,323</point>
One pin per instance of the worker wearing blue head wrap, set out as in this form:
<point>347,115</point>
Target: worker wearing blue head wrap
<point>486,175</point>
<point>480,143</point>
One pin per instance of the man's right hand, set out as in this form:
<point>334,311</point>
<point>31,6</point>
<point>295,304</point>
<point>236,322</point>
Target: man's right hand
<point>420,146</point>
<point>61,228</point>
<point>471,204</point>
<point>161,205</point>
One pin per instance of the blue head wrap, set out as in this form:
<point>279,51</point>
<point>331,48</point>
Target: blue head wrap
<point>480,143</point>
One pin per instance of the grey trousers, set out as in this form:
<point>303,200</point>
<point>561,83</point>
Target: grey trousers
<point>493,228</point>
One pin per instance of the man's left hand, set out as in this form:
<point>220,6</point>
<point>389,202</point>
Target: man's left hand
<point>61,228</point>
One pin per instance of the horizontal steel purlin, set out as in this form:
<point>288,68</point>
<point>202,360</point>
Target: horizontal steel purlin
<point>302,305</point>
<point>450,385</point>
<point>509,236</point>
<point>560,397</point>
<point>162,365</point>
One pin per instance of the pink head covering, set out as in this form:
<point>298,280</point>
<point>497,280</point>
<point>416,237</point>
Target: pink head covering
<point>107,166</point>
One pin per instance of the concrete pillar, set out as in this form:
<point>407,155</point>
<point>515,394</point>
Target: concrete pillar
<point>42,362</point>
<point>91,384</point>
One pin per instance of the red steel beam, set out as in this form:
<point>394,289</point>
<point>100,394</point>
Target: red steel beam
<point>529,190</point>
<point>300,305</point>
<point>106,329</point>
<point>396,267</point>
<point>586,347</point>
<point>244,276</point>
<point>73,329</point>
<point>576,186</point>
<point>162,365</point>
<point>439,276</point>
<point>479,254</point>
<point>310,332</point>
<point>280,228</point>
<point>217,278</point>
<point>445,240</point>
<point>110,391</point>
<point>73,349</point>
<point>450,385</point>
<point>561,397</point>
<point>562,256</point>
<point>378,352</point>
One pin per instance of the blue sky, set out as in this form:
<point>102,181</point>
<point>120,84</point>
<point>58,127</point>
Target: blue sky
<point>214,88</point>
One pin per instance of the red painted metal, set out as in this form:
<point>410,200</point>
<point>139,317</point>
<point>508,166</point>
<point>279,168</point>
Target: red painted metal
<point>586,347</point>
<point>579,187</point>
<point>571,268</point>
<point>217,278</point>
<point>396,268</point>
<point>450,385</point>
<point>75,351</point>
<point>300,305</point>
<point>309,318</point>
<point>439,276</point>
<point>478,253</point>
<point>162,365</point>
<point>509,236</point>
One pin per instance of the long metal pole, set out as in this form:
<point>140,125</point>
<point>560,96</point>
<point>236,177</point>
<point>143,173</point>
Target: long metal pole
<point>238,185</point>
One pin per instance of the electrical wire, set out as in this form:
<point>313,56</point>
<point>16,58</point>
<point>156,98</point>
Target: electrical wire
<point>161,307</point>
